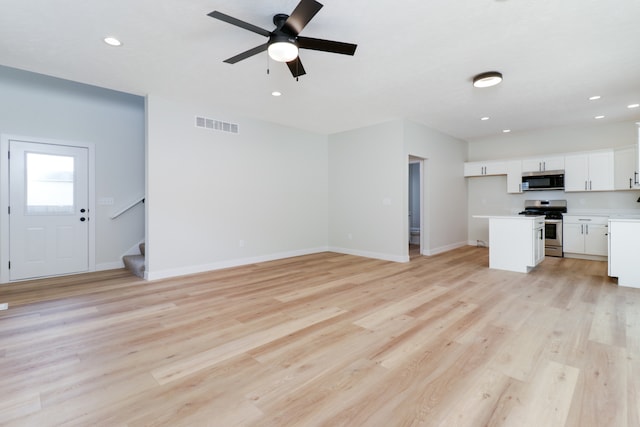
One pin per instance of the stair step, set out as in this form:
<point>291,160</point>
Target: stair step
<point>135,263</point>
<point>142,248</point>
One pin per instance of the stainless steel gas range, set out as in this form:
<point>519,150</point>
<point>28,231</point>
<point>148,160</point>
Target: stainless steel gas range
<point>552,211</point>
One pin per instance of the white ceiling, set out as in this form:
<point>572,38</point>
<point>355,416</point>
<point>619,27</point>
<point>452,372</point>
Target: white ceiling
<point>415,59</point>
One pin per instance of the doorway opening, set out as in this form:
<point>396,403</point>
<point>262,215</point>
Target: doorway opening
<point>415,208</point>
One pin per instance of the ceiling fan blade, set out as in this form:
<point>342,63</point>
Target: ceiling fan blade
<point>301,15</point>
<point>244,55</point>
<point>296,67</point>
<point>327,45</point>
<point>238,23</point>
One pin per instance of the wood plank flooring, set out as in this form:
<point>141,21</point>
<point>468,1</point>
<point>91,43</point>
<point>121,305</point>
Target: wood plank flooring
<point>325,340</point>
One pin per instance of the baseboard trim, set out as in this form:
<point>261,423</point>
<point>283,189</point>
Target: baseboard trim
<point>442,249</point>
<point>109,265</point>
<point>194,269</point>
<point>367,254</point>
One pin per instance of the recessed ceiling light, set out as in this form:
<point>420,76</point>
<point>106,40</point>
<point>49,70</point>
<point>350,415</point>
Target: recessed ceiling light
<point>112,41</point>
<point>484,118</point>
<point>593,98</point>
<point>487,79</point>
<point>276,93</point>
<point>633,106</point>
<point>599,117</point>
<point>506,130</point>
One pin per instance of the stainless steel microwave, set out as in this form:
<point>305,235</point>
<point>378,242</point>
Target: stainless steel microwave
<point>546,180</point>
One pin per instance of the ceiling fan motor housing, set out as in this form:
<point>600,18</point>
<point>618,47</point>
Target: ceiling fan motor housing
<point>279,20</point>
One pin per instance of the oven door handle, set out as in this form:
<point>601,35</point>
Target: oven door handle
<point>552,221</point>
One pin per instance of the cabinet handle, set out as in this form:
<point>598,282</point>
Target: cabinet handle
<point>586,228</point>
<point>581,228</point>
<point>585,186</point>
<point>631,182</point>
<point>544,166</point>
<point>635,178</point>
<point>590,187</point>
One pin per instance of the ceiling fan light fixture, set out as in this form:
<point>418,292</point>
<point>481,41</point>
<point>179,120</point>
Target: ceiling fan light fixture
<point>283,51</point>
<point>487,79</point>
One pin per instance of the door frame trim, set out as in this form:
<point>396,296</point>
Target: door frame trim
<point>4,196</point>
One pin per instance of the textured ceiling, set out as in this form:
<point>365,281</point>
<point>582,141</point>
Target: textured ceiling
<point>415,59</point>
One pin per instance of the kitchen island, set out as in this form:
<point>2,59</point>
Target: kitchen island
<point>516,242</point>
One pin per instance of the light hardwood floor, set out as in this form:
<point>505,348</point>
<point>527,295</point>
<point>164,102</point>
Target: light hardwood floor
<point>326,339</point>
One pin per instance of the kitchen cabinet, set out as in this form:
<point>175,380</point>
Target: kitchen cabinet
<point>514,176</point>
<point>589,171</point>
<point>540,164</point>
<point>624,247</point>
<point>625,168</point>
<point>485,168</point>
<point>585,236</point>
<point>516,243</point>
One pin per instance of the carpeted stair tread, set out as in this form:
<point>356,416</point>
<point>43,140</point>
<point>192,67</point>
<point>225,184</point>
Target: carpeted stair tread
<point>141,246</point>
<point>135,263</point>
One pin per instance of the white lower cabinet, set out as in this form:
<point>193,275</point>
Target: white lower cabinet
<point>624,247</point>
<point>585,236</point>
<point>516,243</point>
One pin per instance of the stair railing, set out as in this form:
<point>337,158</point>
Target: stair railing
<point>129,206</point>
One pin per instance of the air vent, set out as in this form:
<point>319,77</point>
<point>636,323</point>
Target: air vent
<point>206,123</point>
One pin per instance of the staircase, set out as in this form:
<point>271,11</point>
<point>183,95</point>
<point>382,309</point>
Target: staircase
<point>135,263</point>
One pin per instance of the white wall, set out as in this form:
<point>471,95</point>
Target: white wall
<point>368,189</point>
<point>555,140</point>
<point>367,174</point>
<point>488,195</point>
<point>445,189</point>
<point>208,191</point>
<point>33,105</point>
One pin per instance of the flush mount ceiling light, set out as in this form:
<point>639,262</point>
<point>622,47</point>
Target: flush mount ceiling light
<point>276,93</point>
<point>633,105</point>
<point>283,50</point>
<point>487,79</point>
<point>112,41</point>
<point>594,98</point>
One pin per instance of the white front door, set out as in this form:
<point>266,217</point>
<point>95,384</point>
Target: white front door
<point>48,210</point>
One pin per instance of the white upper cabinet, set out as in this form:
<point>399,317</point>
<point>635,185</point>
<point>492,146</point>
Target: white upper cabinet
<point>541,164</point>
<point>485,168</point>
<point>589,171</point>
<point>625,161</point>
<point>514,176</point>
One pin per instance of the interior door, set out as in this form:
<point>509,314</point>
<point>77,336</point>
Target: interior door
<point>48,210</point>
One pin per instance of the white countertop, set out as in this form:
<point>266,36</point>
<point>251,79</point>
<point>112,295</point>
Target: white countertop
<point>527,217</point>
<point>625,218</point>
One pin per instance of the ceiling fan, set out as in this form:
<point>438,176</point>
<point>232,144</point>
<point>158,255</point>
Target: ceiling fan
<point>284,40</point>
